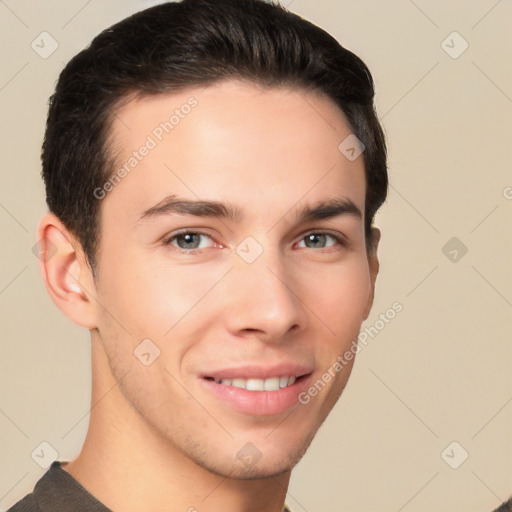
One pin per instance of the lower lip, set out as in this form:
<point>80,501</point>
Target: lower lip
<point>260,403</point>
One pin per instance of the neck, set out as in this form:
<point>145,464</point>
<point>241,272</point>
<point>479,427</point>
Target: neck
<point>129,466</point>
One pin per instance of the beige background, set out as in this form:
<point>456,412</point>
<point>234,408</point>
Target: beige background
<point>438,372</point>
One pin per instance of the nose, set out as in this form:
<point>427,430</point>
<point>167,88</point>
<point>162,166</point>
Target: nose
<point>263,299</point>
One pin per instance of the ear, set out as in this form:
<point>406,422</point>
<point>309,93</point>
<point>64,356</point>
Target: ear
<point>373,265</point>
<point>67,277</point>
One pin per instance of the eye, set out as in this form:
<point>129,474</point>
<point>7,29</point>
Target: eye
<point>316,240</point>
<point>189,241</point>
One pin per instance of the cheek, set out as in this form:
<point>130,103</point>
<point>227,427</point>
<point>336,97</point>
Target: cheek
<point>169,304</point>
<point>341,294</point>
<point>145,297</point>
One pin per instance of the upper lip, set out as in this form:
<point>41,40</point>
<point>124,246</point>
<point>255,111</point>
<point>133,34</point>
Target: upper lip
<point>260,371</point>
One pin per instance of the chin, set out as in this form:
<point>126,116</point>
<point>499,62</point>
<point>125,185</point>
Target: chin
<point>259,471</point>
<point>274,463</point>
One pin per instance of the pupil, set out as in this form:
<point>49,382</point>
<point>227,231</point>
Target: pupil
<point>314,237</point>
<point>188,239</point>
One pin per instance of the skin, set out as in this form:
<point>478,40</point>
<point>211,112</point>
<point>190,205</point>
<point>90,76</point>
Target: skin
<point>158,439</point>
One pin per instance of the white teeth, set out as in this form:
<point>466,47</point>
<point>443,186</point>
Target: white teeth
<point>270,384</point>
<point>238,383</point>
<point>254,384</point>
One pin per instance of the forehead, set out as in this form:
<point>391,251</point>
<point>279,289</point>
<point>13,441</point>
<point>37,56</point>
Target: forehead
<point>235,141</point>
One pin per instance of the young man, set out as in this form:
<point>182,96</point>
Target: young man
<point>212,168</point>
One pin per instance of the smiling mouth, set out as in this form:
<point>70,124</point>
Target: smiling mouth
<point>270,384</point>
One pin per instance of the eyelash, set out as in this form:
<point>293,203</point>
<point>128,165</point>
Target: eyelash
<point>168,241</point>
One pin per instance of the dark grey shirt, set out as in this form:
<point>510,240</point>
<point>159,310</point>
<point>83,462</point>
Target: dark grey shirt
<point>58,491</point>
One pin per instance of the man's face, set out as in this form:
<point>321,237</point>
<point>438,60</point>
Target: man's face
<point>264,297</point>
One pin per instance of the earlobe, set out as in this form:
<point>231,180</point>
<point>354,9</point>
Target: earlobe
<point>373,265</point>
<point>67,278</point>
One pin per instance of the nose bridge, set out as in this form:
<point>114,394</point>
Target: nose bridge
<point>265,298</point>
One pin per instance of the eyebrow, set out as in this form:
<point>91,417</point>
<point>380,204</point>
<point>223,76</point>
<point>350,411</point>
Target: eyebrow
<point>173,205</point>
